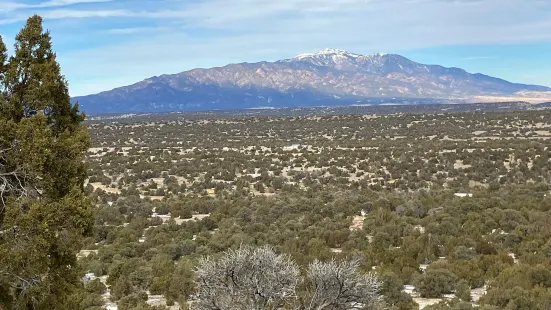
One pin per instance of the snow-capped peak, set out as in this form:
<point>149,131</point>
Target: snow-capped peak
<point>328,51</point>
<point>377,54</point>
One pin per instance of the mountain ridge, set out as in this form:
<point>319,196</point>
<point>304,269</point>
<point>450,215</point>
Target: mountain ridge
<point>328,77</point>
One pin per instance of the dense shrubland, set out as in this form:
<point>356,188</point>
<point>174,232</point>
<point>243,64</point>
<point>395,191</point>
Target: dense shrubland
<point>381,188</point>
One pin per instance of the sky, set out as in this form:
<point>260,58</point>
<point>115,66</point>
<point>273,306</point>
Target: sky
<point>103,44</point>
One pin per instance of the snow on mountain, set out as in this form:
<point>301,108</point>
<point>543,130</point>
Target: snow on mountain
<point>328,52</point>
<point>328,77</point>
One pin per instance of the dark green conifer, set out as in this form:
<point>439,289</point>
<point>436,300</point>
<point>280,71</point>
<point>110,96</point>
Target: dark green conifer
<point>44,213</point>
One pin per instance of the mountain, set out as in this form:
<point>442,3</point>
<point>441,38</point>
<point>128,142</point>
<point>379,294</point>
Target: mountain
<point>329,77</point>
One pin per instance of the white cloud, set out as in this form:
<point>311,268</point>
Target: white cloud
<point>423,21</point>
<point>136,30</point>
<point>9,6</point>
<point>61,14</point>
<point>68,2</point>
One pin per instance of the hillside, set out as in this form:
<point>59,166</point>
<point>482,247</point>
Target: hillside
<point>329,77</point>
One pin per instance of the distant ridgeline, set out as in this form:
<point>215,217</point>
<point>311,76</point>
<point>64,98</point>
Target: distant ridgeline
<point>327,78</point>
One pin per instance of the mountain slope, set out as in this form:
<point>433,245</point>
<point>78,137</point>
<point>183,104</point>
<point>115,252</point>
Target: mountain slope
<point>329,77</point>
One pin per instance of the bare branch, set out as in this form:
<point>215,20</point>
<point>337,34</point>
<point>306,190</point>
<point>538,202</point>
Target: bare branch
<point>258,279</point>
<point>246,278</point>
<point>340,286</point>
<point>23,285</point>
<point>12,182</point>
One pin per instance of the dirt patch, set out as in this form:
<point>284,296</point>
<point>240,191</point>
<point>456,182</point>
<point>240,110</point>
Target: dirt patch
<point>86,253</point>
<point>106,189</point>
<point>357,223</point>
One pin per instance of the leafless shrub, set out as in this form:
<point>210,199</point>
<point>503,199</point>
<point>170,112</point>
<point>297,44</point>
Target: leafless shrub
<point>247,278</point>
<point>259,279</point>
<point>339,286</point>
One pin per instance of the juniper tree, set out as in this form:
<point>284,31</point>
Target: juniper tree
<point>44,213</point>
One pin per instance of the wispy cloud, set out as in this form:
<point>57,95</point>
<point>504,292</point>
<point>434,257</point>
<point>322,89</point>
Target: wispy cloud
<point>127,30</point>
<point>138,30</point>
<point>10,6</point>
<point>61,14</point>
<point>69,2</point>
<point>441,21</point>
<point>14,12</point>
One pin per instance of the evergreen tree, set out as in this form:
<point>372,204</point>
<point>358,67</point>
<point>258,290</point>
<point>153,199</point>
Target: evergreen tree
<point>463,291</point>
<point>44,213</point>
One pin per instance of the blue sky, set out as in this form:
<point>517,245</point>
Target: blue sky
<point>103,44</point>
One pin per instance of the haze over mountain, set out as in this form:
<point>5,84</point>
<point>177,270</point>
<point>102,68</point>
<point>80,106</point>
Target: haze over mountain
<point>329,77</point>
